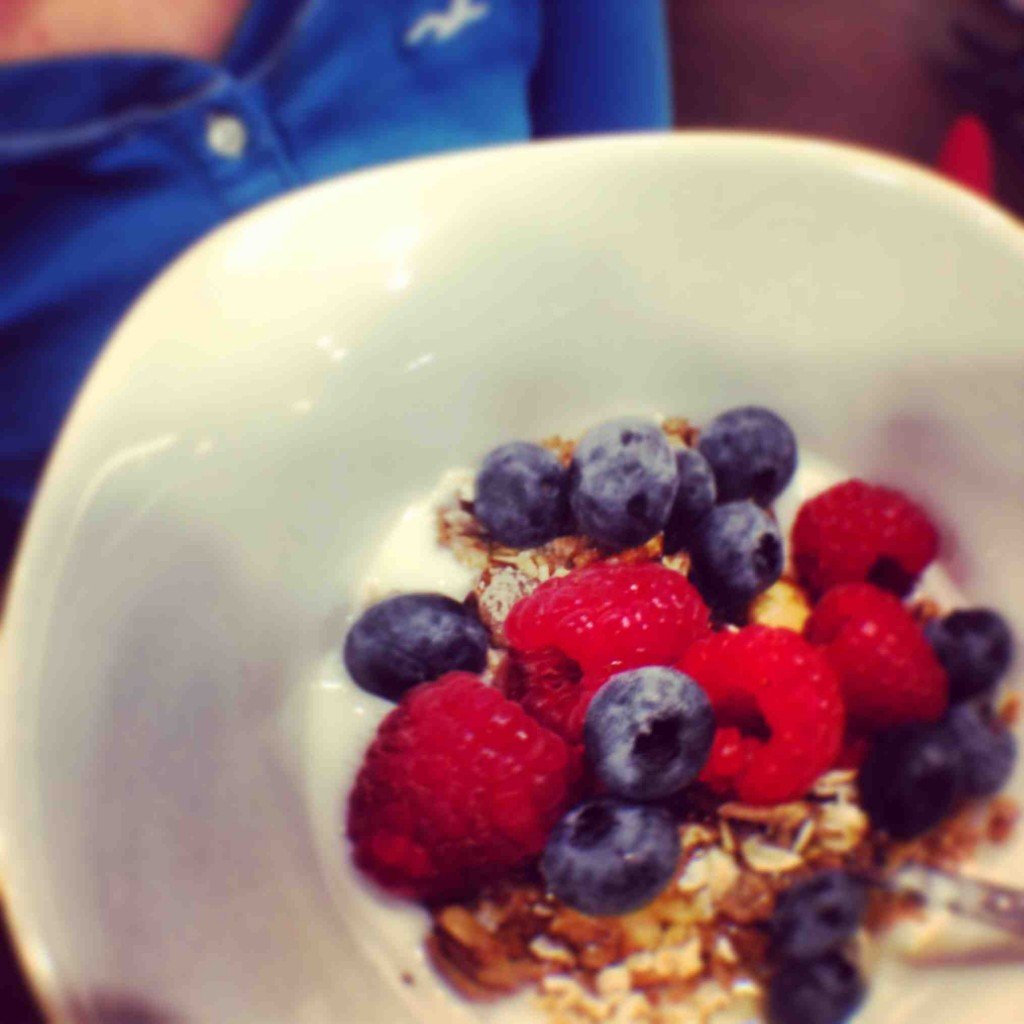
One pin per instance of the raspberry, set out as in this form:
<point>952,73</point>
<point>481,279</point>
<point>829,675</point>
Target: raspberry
<point>888,673</point>
<point>575,631</point>
<point>459,786</point>
<point>759,679</point>
<point>547,684</point>
<point>611,617</point>
<point>856,532</point>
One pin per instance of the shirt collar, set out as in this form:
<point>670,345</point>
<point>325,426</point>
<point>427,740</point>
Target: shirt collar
<point>69,101</point>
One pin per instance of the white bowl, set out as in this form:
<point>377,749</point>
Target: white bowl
<point>175,728</point>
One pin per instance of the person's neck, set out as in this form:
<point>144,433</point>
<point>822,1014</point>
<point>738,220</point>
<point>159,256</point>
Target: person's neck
<point>36,29</point>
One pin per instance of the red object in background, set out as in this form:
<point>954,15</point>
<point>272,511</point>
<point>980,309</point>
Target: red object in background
<point>966,155</point>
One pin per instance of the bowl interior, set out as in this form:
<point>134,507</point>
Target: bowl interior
<point>177,723</point>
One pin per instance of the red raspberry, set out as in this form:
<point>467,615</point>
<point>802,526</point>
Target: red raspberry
<point>610,617</point>
<point>548,686</point>
<point>856,532</point>
<point>762,679</point>
<point>574,631</point>
<point>888,673</point>
<point>459,786</point>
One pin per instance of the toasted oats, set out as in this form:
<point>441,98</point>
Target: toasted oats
<point>925,609</point>
<point>840,827</point>
<point>784,605</point>
<point>681,430</point>
<point>649,552</point>
<point>561,447</point>
<point>839,783</point>
<point>614,981</point>
<point>727,838</point>
<point>544,948</point>
<point>462,926</point>
<point>692,836</point>
<point>679,562</point>
<point>642,930</point>
<point>1009,710</point>
<point>496,592</point>
<point>1003,815</point>
<point>768,859</point>
<point>723,872</point>
<point>725,951</point>
<point>749,900</point>
<point>784,816</point>
<point>804,836</point>
<point>673,964</point>
<point>696,876</point>
<point>709,998</point>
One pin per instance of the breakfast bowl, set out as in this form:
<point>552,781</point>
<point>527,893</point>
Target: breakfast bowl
<point>257,442</point>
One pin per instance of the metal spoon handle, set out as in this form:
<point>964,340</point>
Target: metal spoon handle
<point>997,905</point>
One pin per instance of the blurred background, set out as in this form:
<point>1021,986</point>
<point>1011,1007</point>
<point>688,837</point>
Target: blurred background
<point>892,74</point>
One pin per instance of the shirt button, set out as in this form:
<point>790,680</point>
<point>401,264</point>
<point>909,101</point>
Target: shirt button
<point>226,135</point>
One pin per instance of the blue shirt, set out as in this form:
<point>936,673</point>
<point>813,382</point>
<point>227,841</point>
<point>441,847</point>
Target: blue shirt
<point>111,165</point>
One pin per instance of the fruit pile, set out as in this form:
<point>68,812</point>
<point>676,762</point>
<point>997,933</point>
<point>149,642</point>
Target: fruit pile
<point>628,694</point>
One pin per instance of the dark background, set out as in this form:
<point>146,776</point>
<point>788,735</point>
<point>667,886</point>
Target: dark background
<point>844,69</point>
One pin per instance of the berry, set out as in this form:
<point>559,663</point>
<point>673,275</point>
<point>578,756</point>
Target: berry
<point>608,617</point>
<point>987,747</point>
<point>623,482</point>
<point>574,631</point>
<point>856,532</point>
<point>522,495</point>
<point>607,858</point>
<point>752,452</point>
<point>737,553</point>
<point>694,499</point>
<point>824,991</point>
<point>761,679</point>
<point>974,646</point>
<point>548,686</point>
<point>648,732</point>
<point>459,786</point>
<point>888,673</point>
<point>817,916</point>
<point>410,639</point>
<point>911,780</point>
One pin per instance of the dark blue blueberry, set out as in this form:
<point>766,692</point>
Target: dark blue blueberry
<point>648,732</point>
<point>975,647</point>
<point>623,483</point>
<point>911,779</point>
<point>824,991</point>
<point>752,452</point>
<point>607,857</point>
<point>410,639</point>
<point>522,495</point>
<point>987,748</point>
<point>737,552</point>
<point>817,916</point>
<point>694,499</point>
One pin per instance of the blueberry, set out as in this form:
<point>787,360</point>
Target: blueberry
<point>752,452</point>
<point>817,916</point>
<point>522,495</point>
<point>911,779</point>
<point>987,748</point>
<point>737,552</point>
<point>623,483</point>
<point>410,639</point>
<point>607,857</point>
<point>824,991</point>
<point>975,648</point>
<point>648,732</point>
<point>694,499</point>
